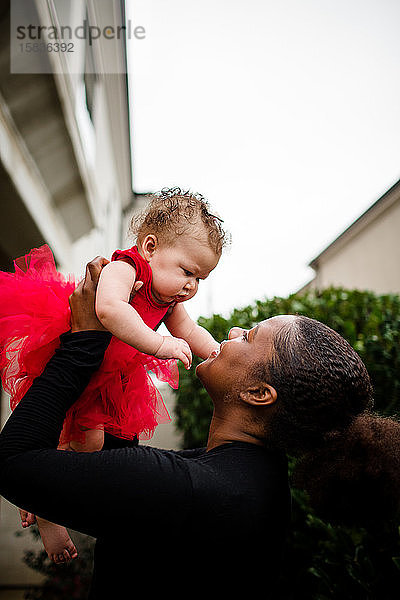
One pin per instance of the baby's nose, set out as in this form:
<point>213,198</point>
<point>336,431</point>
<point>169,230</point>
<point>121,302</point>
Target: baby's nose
<point>190,285</point>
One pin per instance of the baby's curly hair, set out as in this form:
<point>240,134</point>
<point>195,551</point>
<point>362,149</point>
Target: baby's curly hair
<point>172,212</point>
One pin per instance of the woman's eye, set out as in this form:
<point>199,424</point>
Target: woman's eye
<point>244,336</point>
<point>187,273</point>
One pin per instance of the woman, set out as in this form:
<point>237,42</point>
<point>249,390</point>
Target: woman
<point>215,517</point>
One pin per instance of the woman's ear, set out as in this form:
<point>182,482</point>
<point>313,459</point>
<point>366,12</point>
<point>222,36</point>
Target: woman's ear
<point>149,246</point>
<point>260,395</point>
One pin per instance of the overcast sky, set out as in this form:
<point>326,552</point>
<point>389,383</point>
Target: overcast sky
<point>284,114</point>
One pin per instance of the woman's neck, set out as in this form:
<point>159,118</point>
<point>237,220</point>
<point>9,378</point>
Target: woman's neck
<point>225,430</point>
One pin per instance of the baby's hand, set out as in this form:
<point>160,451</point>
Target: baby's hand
<point>173,347</point>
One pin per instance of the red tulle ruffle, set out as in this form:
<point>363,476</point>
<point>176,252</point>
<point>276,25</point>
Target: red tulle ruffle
<point>121,397</point>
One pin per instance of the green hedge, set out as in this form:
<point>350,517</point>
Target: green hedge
<point>324,561</point>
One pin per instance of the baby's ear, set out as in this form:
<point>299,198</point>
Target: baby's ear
<point>149,246</point>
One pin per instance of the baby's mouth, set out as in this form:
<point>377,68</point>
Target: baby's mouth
<point>181,297</point>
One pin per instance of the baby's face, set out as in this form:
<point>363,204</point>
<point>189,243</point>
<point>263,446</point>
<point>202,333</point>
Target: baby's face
<point>178,269</point>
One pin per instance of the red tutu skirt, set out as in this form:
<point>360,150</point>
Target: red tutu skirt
<point>121,397</point>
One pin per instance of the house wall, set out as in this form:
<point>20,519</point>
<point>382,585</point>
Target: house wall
<point>65,180</point>
<point>368,260</point>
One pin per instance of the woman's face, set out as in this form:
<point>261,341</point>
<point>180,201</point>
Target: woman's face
<point>224,370</point>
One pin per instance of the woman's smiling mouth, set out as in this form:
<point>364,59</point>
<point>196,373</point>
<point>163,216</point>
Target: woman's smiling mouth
<point>214,353</point>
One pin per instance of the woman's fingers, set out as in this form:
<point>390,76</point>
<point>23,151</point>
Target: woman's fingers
<point>137,285</point>
<point>82,300</point>
<point>94,268</point>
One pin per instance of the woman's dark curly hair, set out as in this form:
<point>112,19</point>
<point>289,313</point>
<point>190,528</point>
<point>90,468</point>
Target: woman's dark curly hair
<point>348,458</point>
<point>173,212</point>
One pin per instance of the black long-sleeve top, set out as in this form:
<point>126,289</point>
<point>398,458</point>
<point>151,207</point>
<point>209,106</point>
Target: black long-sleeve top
<point>188,521</point>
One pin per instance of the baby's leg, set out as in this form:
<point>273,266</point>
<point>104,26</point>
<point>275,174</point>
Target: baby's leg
<point>56,540</point>
<point>27,518</point>
<point>94,440</point>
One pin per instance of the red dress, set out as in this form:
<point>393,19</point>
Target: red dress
<point>121,397</point>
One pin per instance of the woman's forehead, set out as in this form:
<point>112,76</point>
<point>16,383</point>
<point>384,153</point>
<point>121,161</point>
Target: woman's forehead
<point>281,318</point>
<point>275,322</point>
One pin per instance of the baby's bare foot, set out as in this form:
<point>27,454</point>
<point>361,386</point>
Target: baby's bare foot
<point>57,543</point>
<point>27,518</point>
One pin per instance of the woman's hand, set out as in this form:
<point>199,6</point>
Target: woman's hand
<point>82,300</point>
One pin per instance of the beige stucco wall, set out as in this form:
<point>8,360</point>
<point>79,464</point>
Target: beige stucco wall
<point>369,260</point>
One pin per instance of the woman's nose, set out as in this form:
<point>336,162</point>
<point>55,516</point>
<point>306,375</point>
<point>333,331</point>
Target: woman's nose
<point>235,332</point>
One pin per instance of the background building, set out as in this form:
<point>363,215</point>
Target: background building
<point>65,175</point>
<point>366,256</point>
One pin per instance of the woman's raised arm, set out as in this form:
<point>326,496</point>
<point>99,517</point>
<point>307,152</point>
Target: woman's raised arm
<point>78,489</point>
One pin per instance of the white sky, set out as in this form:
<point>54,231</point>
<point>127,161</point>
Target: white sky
<point>284,114</point>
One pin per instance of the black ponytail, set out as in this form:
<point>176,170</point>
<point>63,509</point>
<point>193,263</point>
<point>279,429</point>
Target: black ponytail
<point>354,478</point>
<point>348,459</point>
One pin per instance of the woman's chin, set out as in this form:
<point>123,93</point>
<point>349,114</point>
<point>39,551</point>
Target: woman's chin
<point>198,369</point>
<point>203,365</point>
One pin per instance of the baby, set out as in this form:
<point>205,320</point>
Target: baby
<point>181,242</point>
<point>178,243</point>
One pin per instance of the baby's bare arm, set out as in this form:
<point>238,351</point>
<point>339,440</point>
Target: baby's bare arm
<point>199,339</point>
<point>116,283</point>
<point>117,315</point>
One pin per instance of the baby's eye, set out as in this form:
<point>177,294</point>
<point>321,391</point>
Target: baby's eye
<point>244,336</point>
<point>187,273</point>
